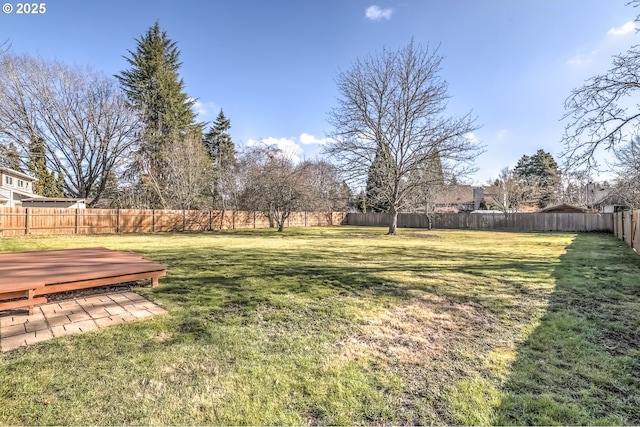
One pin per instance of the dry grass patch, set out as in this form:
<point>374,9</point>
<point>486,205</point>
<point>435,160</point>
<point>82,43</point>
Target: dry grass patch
<point>415,331</point>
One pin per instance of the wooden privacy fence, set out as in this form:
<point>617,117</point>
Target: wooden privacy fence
<point>626,227</point>
<point>20,221</point>
<point>493,221</point>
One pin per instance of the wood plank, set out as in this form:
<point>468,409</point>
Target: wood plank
<point>10,305</point>
<point>12,295</point>
<point>104,281</point>
<point>19,287</point>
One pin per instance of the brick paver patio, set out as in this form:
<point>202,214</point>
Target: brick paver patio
<point>79,315</point>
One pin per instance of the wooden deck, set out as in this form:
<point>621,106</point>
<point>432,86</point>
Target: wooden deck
<point>26,276</point>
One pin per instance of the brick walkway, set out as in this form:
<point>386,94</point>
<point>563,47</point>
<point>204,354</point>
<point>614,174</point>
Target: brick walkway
<point>56,319</point>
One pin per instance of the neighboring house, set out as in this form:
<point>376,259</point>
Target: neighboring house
<point>14,187</point>
<point>16,190</point>
<point>459,198</point>
<point>604,199</point>
<point>563,208</point>
<point>54,202</point>
<point>493,197</point>
<point>487,211</point>
<point>468,198</point>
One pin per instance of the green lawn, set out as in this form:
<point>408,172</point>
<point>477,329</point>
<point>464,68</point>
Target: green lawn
<point>350,326</point>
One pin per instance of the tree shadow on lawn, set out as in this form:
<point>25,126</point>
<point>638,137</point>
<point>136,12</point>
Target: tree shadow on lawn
<point>319,272</point>
<point>581,365</point>
<point>233,284</point>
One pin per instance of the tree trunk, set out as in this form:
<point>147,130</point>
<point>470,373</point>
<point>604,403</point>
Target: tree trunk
<point>281,218</point>
<point>393,220</point>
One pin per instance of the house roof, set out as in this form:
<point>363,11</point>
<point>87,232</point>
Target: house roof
<point>51,199</point>
<point>563,207</point>
<point>460,194</point>
<point>18,174</point>
<point>491,190</point>
<point>606,196</point>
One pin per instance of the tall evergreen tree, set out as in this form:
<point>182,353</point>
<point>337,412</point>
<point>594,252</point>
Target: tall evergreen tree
<point>377,197</point>
<point>218,142</point>
<point>47,183</point>
<point>221,151</point>
<point>155,89</point>
<point>10,157</point>
<point>542,170</point>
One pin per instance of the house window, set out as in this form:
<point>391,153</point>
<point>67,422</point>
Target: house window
<point>20,183</point>
<point>8,180</point>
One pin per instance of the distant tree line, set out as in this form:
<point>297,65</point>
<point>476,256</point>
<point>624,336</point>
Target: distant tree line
<point>133,141</point>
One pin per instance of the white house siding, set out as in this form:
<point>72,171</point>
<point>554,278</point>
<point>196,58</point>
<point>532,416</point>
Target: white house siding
<point>5,198</point>
<point>15,186</point>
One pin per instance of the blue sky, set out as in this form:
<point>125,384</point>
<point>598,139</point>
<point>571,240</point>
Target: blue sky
<point>271,65</point>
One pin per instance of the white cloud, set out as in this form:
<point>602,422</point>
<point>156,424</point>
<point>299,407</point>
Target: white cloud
<point>308,139</point>
<point>291,147</point>
<point>576,60</point>
<point>582,59</point>
<point>206,110</point>
<point>628,27</point>
<point>287,145</point>
<point>375,13</point>
<point>502,134</point>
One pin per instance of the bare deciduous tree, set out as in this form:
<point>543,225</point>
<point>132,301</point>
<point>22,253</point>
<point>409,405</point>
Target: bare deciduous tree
<point>326,192</point>
<point>514,191</point>
<point>597,113</point>
<point>187,168</point>
<point>601,113</point>
<point>274,185</point>
<point>574,184</point>
<point>82,116</point>
<point>391,111</point>
<point>186,177</point>
<point>627,169</point>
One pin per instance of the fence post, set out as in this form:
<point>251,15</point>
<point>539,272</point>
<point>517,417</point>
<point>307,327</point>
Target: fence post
<point>637,230</point>
<point>233,219</point>
<point>634,220</point>
<point>77,218</point>
<point>184,220</point>
<point>118,220</point>
<point>26,220</point>
<point>153,220</point>
<point>254,219</point>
